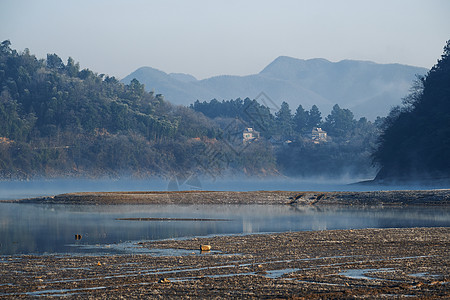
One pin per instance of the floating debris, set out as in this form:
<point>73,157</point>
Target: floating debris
<point>205,248</point>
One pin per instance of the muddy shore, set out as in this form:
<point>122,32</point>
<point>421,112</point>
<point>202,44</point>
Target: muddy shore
<point>397,198</point>
<point>332,264</point>
<point>367,263</point>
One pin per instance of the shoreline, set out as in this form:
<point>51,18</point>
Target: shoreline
<point>338,264</point>
<point>439,197</point>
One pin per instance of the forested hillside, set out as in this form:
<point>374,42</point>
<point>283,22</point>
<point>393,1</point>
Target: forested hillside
<point>415,143</point>
<point>58,120</point>
<point>346,151</point>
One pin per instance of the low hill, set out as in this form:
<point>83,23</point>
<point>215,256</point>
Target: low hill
<point>57,120</point>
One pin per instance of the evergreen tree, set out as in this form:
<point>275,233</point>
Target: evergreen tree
<point>283,120</point>
<point>54,62</point>
<point>72,68</point>
<point>315,118</point>
<point>339,122</point>
<point>416,138</point>
<point>300,119</point>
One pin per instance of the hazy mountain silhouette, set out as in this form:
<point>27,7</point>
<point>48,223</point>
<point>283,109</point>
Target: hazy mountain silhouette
<point>183,77</point>
<point>366,88</point>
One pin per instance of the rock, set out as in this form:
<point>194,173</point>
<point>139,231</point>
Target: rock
<point>163,280</point>
<point>205,248</point>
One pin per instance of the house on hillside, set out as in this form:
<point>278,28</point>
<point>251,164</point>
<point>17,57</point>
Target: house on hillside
<point>318,135</point>
<point>5,140</point>
<point>249,135</point>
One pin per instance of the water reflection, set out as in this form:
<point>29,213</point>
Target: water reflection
<point>32,228</point>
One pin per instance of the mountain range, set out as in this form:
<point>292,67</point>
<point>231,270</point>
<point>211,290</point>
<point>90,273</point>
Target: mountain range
<point>366,88</point>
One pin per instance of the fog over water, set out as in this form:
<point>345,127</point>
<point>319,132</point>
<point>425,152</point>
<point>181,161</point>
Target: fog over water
<point>48,187</point>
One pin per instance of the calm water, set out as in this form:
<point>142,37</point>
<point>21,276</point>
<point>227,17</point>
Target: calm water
<point>37,188</point>
<point>31,228</point>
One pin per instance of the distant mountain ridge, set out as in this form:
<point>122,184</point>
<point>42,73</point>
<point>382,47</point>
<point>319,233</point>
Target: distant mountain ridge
<point>366,88</point>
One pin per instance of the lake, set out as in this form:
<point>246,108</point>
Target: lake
<point>32,228</point>
<point>38,229</point>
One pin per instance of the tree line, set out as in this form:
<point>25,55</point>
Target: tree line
<point>415,142</point>
<point>347,150</point>
<point>59,120</point>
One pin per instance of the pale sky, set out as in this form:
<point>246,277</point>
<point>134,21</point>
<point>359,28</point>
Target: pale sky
<point>207,38</point>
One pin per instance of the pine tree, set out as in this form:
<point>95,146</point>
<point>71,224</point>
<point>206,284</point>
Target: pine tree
<point>315,118</point>
<point>339,122</point>
<point>300,119</point>
<point>416,138</point>
<point>283,120</point>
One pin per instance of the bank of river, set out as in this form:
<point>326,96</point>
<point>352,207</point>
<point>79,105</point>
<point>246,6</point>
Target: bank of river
<point>406,197</point>
<point>323,264</point>
<point>373,263</point>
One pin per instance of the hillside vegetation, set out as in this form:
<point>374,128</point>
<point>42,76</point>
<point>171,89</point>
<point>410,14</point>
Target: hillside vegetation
<point>346,151</point>
<point>58,120</point>
<point>415,143</point>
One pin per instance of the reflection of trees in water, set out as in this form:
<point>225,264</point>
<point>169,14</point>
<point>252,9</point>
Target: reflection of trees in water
<point>305,210</point>
<point>28,228</point>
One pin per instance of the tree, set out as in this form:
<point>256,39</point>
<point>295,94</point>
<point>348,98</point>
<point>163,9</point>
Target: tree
<point>415,142</point>
<point>5,47</point>
<point>72,68</point>
<point>315,118</point>
<point>283,120</point>
<point>136,89</point>
<point>339,122</point>
<point>54,62</point>
<point>300,119</point>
